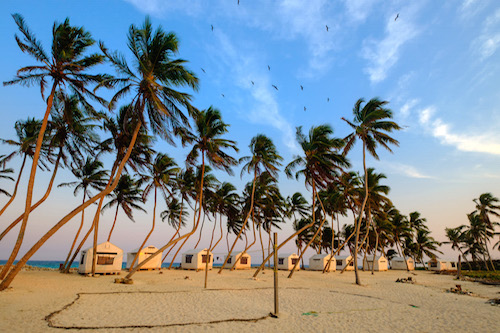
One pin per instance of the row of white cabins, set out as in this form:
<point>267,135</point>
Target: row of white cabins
<point>110,257</point>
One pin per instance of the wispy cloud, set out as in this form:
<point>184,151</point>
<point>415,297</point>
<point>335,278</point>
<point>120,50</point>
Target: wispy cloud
<point>406,109</point>
<point>404,169</point>
<point>488,41</point>
<point>487,142</point>
<point>471,8</point>
<point>383,54</point>
<point>358,10</point>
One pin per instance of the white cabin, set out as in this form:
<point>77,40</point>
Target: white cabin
<point>197,259</point>
<point>319,261</point>
<point>243,263</point>
<point>381,263</point>
<point>437,265</point>
<point>145,253</point>
<point>341,262</point>
<point>109,259</point>
<point>287,261</point>
<point>398,263</point>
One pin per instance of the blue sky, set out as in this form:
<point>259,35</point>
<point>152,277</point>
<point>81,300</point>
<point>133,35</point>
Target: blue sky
<point>436,64</point>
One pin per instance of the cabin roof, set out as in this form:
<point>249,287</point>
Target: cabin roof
<point>286,255</point>
<point>103,248</point>
<point>321,255</point>
<point>196,251</point>
<point>150,247</point>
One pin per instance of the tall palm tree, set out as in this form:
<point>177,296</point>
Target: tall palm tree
<point>371,124</point>
<point>90,175</point>
<point>161,177</point>
<point>425,244</point>
<point>320,162</point>
<point>455,238</point>
<point>127,196</point>
<point>264,157</point>
<point>400,230</point>
<point>66,66</point>
<point>487,205</point>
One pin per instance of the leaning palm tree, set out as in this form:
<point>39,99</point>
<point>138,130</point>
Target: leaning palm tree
<point>161,177</point>
<point>320,163</point>
<point>66,66</point>
<point>487,205</point>
<point>90,175</point>
<point>264,157</point>
<point>127,196</point>
<point>455,238</point>
<point>371,124</point>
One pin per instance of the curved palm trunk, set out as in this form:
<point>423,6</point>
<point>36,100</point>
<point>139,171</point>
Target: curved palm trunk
<point>114,222</point>
<point>465,258</point>
<point>201,229</point>
<point>207,261</point>
<point>76,237</point>
<point>329,263</point>
<point>36,205</point>
<point>244,223</point>
<point>261,243</point>
<point>341,247</point>
<point>182,244</point>
<point>12,274</point>
<point>31,183</point>
<point>9,262</point>
<point>149,234</point>
<point>361,211</point>
<point>15,187</point>
<point>79,247</point>
<point>221,235</point>
<point>249,246</point>
<point>176,230</point>
<point>402,252</point>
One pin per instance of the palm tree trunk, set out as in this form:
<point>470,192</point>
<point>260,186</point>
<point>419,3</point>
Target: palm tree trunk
<point>76,237</point>
<point>114,222</point>
<point>31,183</point>
<point>249,246</point>
<point>207,261</point>
<point>12,274</point>
<point>402,252</point>
<point>36,205</point>
<point>9,262</point>
<point>79,247</point>
<point>201,229</point>
<point>328,264</point>
<point>244,222</point>
<point>261,242</point>
<point>149,234</point>
<point>465,258</point>
<point>176,231</point>
<point>375,252</point>
<point>221,234</point>
<point>361,211</point>
<point>489,256</point>
<point>15,187</point>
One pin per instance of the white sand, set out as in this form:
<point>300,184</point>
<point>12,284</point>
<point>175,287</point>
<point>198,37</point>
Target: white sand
<point>310,301</point>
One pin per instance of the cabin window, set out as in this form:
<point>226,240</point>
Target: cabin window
<point>434,264</point>
<point>244,261</point>
<point>452,264</point>
<point>351,263</point>
<point>294,260</point>
<point>229,260</point>
<point>105,259</point>
<point>204,258</point>
<point>339,262</point>
<point>316,259</point>
<point>281,261</point>
<point>83,258</point>
<point>189,258</point>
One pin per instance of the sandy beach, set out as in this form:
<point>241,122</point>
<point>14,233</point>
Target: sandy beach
<point>45,301</point>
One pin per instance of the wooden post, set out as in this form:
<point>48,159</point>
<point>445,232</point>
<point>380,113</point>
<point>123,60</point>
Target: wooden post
<point>459,267</point>
<point>275,247</point>
<point>206,267</point>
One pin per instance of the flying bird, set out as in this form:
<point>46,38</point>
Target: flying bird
<point>268,67</point>
<point>212,27</point>
<point>301,88</point>
<point>274,86</point>
<point>238,2</point>
<point>305,108</point>
<point>327,28</point>
<point>203,70</point>
<point>252,83</point>
<point>222,95</point>
<point>328,99</point>
<point>396,17</point>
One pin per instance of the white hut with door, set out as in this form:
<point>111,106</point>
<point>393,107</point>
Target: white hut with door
<point>109,259</point>
<point>145,253</point>
<point>286,261</point>
<point>398,263</point>
<point>243,263</point>
<point>319,261</point>
<point>437,265</point>
<point>342,261</point>
<point>197,259</point>
<point>381,263</point>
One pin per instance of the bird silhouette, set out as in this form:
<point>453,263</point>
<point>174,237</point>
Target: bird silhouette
<point>301,88</point>
<point>238,2</point>
<point>222,95</point>
<point>212,27</point>
<point>252,83</point>
<point>328,99</point>
<point>203,70</point>
<point>397,16</point>
<point>274,86</point>
<point>305,108</point>
<point>327,28</point>
<point>268,67</point>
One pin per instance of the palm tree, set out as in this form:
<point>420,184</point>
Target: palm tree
<point>126,195</point>
<point>320,162</point>
<point>455,236</point>
<point>66,66</point>
<point>90,175</point>
<point>487,205</point>
<point>400,230</point>
<point>425,244</point>
<point>264,157</point>
<point>161,176</point>
<point>371,122</point>
<point>3,173</point>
